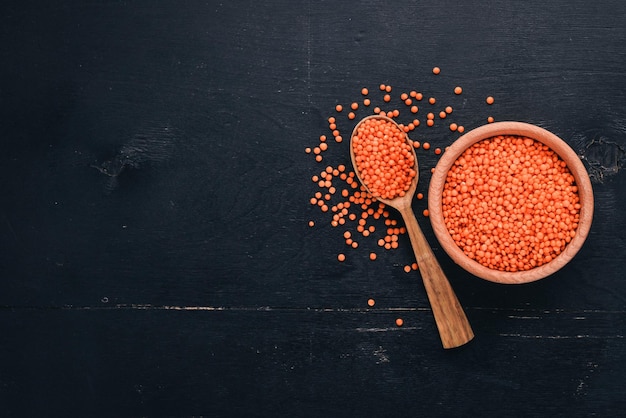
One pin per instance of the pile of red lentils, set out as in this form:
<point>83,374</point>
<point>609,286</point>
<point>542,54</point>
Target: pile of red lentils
<point>510,203</point>
<point>385,160</point>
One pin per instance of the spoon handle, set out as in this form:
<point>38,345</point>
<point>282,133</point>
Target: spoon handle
<point>454,328</point>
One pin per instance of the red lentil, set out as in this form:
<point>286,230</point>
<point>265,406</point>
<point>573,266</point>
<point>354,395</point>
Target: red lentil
<point>392,175</point>
<point>356,204</point>
<point>510,203</point>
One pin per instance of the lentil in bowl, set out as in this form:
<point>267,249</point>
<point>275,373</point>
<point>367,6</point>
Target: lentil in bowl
<point>510,202</point>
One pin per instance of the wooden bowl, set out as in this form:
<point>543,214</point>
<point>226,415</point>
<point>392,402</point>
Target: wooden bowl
<point>575,166</point>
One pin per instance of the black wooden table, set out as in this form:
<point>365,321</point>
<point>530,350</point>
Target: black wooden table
<point>155,252</point>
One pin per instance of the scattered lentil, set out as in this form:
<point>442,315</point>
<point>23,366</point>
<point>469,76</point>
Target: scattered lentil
<point>356,204</point>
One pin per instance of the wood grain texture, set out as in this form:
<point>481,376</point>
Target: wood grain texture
<point>454,328</point>
<point>155,257</point>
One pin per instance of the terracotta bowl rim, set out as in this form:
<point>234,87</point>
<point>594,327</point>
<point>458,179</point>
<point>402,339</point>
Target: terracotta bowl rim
<point>544,136</point>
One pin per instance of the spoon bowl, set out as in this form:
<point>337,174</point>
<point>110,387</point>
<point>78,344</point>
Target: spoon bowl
<point>454,328</point>
<point>400,201</point>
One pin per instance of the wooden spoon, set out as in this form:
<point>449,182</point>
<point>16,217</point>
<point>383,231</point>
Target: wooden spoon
<point>454,328</point>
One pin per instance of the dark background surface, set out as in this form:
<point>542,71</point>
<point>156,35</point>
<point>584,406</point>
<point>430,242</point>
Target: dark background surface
<point>155,257</point>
